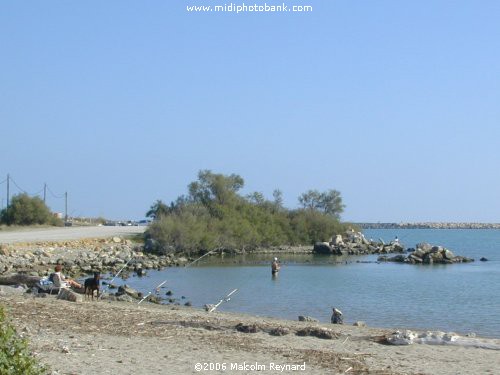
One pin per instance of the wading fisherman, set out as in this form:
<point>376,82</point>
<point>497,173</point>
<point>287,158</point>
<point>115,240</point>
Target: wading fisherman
<point>275,267</point>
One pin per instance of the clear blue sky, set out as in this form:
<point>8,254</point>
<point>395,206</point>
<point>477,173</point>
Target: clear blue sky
<point>396,104</point>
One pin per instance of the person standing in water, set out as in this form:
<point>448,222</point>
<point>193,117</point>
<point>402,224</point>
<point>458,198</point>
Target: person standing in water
<point>275,267</point>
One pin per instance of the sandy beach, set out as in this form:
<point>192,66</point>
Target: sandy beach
<point>103,337</point>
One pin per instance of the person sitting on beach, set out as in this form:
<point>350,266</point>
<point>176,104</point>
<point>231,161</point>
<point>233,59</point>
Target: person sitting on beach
<point>61,281</point>
<point>337,317</point>
<point>275,266</point>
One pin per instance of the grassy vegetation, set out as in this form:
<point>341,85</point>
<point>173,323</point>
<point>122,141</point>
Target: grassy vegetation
<point>214,216</point>
<point>15,357</point>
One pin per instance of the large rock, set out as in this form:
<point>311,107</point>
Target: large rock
<point>18,279</point>
<point>11,290</point>
<point>397,258</point>
<point>125,289</point>
<point>322,248</point>
<point>419,253</point>
<point>415,258</point>
<point>338,240</point>
<point>69,295</point>
<point>448,254</point>
<point>424,246</point>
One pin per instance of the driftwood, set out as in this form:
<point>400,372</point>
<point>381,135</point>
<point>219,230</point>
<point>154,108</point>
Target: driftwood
<point>19,278</point>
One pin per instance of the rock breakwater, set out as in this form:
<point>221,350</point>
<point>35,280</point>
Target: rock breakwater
<point>427,254</point>
<point>81,257</point>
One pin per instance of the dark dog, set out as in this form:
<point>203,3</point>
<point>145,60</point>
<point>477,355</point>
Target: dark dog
<point>91,284</point>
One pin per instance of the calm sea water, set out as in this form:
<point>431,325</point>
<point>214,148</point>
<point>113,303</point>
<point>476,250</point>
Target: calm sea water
<point>460,297</point>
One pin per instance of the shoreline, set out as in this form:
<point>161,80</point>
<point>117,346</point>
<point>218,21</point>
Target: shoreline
<point>122,338</point>
<point>429,225</point>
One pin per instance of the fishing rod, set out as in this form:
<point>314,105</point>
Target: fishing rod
<point>157,288</point>
<point>196,260</point>
<point>225,299</point>
<point>163,282</point>
<point>114,277</point>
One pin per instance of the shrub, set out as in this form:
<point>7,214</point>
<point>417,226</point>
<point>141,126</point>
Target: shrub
<point>25,210</point>
<point>215,216</point>
<point>15,357</point>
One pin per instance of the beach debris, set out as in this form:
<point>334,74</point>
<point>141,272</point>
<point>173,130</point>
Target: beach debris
<point>408,337</point>
<point>247,328</point>
<point>279,331</point>
<point>359,323</point>
<point>322,333</point>
<point>304,318</point>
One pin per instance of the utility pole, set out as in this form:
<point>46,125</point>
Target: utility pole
<point>44,191</point>
<point>65,207</point>
<point>8,178</point>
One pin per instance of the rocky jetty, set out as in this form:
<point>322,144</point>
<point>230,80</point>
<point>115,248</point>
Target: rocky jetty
<point>81,257</point>
<point>355,243</point>
<point>427,254</point>
<point>429,225</point>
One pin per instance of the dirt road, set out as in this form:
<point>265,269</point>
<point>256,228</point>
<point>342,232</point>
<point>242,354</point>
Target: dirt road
<point>67,233</point>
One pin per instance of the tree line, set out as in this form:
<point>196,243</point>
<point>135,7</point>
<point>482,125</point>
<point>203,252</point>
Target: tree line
<point>214,215</point>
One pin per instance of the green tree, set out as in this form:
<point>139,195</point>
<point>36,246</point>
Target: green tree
<point>310,226</point>
<point>25,210</point>
<point>157,210</point>
<point>278,199</point>
<point>329,202</point>
<point>214,190</point>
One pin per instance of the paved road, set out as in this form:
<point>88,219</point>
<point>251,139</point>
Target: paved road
<point>66,233</point>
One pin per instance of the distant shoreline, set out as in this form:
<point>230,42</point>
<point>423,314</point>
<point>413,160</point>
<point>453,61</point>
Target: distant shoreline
<point>428,225</point>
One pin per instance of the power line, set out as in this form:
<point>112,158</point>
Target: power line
<point>15,183</point>
<point>45,187</point>
<point>24,191</point>
<point>54,195</point>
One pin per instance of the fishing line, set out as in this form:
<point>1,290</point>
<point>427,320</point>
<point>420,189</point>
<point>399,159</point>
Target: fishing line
<point>111,282</point>
<point>157,288</point>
